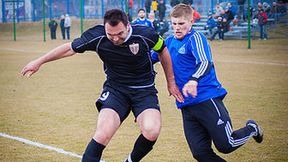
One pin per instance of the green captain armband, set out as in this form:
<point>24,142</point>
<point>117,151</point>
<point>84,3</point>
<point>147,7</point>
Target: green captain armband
<point>159,45</point>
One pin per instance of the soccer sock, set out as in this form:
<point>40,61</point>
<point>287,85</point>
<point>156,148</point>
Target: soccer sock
<point>93,152</point>
<point>141,148</point>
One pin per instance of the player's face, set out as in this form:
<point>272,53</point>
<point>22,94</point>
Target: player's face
<point>141,14</point>
<point>117,34</point>
<point>181,26</point>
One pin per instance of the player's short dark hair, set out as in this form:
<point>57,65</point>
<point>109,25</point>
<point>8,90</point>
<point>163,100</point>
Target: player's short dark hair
<point>141,9</point>
<point>114,16</point>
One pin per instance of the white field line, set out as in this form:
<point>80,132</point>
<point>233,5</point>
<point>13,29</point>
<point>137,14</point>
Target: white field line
<point>26,141</point>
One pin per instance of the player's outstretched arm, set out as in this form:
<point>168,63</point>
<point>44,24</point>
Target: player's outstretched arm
<point>59,52</point>
<point>166,63</point>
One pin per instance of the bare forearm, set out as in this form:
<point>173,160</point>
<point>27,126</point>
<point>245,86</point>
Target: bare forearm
<point>57,53</point>
<point>168,70</point>
<point>167,65</point>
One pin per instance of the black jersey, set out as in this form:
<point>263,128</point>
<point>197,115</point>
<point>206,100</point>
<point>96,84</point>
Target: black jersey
<point>127,64</point>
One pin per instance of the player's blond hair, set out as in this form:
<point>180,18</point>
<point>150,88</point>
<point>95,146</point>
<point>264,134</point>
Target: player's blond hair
<point>182,10</point>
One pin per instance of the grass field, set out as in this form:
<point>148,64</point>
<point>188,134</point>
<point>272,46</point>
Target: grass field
<point>56,106</point>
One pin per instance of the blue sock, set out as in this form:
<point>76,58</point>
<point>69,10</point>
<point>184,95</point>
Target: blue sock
<point>93,152</point>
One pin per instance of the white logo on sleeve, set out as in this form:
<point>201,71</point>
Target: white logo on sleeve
<point>220,122</point>
<point>104,96</point>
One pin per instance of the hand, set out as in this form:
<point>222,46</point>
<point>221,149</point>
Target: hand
<point>30,68</point>
<point>190,88</point>
<point>174,91</point>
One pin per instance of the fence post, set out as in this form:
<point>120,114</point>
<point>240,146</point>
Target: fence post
<point>44,21</point>
<point>81,15</point>
<point>249,26</point>
<point>14,21</point>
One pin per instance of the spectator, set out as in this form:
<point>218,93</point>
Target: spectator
<point>267,9</point>
<point>241,9</point>
<point>62,21</point>
<point>262,22</point>
<point>67,25</point>
<point>196,15</point>
<point>53,27</point>
<point>259,6</point>
<point>210,24</point>
<point>218,10</point>
<point>148,6</point>
<point>161,10</point>
<point>154,6</point>
<point>141,19</point>
<point>232,8</point>
<point>275,13</point>
<point>222,27</point>
<point>228,15</point>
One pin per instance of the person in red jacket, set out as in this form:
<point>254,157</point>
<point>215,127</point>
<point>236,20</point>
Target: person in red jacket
<point>262,22</point>
<point>196,15</point>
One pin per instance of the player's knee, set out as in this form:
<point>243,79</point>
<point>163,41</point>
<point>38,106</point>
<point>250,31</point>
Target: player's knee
<point>151,130</point>
<point>225,149</point>
<point>102,137</point>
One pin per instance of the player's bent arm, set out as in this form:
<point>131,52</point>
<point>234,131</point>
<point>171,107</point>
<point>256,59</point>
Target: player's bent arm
<point>59,52</point>
<point>166,63</point>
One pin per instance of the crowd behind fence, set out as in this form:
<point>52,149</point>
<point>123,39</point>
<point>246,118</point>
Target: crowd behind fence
<point>35,10</point>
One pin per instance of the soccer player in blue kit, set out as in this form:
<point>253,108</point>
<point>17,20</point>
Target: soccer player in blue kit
<point>142,20</point>
<point>205,118</point>
<point>129,85</point>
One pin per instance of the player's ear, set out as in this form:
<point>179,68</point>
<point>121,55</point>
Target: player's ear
<point>128,26</point>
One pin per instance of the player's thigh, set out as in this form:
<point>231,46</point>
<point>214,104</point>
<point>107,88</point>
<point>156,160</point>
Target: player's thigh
<point>108,120</point>
<point>116,100</point>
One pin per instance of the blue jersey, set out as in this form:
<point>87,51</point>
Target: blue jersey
<point>192,60</point>
<point>145,22</point>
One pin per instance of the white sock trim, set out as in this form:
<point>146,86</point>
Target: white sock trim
<point>129,158</point>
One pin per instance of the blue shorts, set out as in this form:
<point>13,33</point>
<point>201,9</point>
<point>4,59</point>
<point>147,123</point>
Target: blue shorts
<point>124,99</point>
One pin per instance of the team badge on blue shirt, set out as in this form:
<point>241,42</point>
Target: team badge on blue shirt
<point>182,50</point>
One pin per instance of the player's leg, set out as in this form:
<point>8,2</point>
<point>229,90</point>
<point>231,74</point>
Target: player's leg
<point>220,127</point>
<point>113,109</point>
<point>147,112</point>
<point>197,136</point>
<point>107,124</point>
<point>149,122</point>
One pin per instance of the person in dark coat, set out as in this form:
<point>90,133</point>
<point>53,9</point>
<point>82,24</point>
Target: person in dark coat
<point>62,21</point>
<point>161,10</point>
<point>147,6</point>
<point>53,27</point>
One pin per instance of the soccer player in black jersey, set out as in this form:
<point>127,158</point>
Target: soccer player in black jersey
<point>129,86</point>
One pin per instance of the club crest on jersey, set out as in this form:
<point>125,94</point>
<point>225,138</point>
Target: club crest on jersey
<point>134,48</point>
<point>182,50</point>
